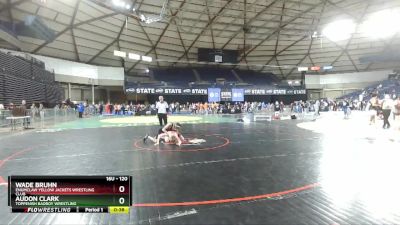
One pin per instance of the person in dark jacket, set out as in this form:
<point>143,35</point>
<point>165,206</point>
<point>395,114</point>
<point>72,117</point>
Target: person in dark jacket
<point>101,109</point>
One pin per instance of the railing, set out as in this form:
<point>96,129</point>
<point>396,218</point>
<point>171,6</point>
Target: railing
<point>43,118</point>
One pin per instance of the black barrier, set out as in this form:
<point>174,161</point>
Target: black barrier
<point>203,91</point>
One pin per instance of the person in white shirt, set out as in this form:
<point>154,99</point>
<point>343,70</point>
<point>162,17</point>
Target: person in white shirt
<point>161,107</point>
<point>387,106</point>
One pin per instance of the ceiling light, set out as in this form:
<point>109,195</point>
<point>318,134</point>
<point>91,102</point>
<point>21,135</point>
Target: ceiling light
<point>315,68</point>
<point>127,6</point>
<point>339,30</point>
<point>119,3</point>
<point>302,68</point>
<point>382,24</point>
<point>116,2</point>
<point>120,53</point>
<point>147,58</point>
<point>133,9</point>
<point>289,82</point>
<point>147,70</point>
<point>134,56</point>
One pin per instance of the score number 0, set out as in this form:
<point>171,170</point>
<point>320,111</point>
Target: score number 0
<point>121,189</point>
<point>121,200</point>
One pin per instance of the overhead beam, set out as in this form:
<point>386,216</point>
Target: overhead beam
<point>181,40</point>
<point>280,28</point>
<point>345,49</point>
<point>71,27</point>
<point>277,39</point>
<point>250,21</point>
<point>279,53</point>
<point>234,19</point>
<point>9,11</point>
<point>72,30</point>
<point>244,32</point>
<point>75,46</point>
<point>196,20</point>
<point>151,43</point>
<point>109,45</point>
<point>385,48</point>
<point>9,6</point>
<point>211,29</point>
<point>341,9</point>
<point>301,60</point>
<point>121,59</point>
<point>311,41</point>
<point>311,60</point>
<point>202,31</point>
<point>161,35</point>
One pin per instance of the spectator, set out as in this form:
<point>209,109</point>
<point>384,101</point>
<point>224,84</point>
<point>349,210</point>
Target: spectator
<point>387,105</point>
<point>34,111</point>
<point>396,108</point>
<point>316,107</point>
<point>41,111</point>
<point>373,108</point>
<point>81,109</point>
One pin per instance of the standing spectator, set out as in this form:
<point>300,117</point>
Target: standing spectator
<point>172,108</point>
<point>161,107</point>
<point>123,109</point>
<point>346,108</point>
<point>396,108</point>
<point>96,109</point>
<point>23,105</point>
<point>281,107</point>
<point>277,109</point>
<point>81,109</point>
<point>316,107</point>
<point>24,112</point>
<point>11,106</point>
<point>33,110</point>
<point>108,108</point>
<point>111,109</point>
<point>373,107</point>
<point>387,105</point>
<point>194,109</point>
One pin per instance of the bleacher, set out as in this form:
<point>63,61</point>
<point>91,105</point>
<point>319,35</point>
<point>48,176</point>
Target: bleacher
<point>14,66</point>
<point>391,86</point>
<point>211,74</point>
<point>253,77</point>
<point>182,75</point>
<point>21,79</point>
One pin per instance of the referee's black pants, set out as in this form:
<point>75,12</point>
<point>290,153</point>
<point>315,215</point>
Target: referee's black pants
<point>162,117</point>
<point>386,114</point>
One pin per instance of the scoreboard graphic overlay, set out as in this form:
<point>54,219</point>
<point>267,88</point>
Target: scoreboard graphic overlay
<point>69,194</point>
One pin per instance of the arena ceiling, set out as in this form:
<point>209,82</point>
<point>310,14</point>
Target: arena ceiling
<point>271,35</point>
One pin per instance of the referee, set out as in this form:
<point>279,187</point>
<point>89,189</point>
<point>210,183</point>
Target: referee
<point>162,110</point>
